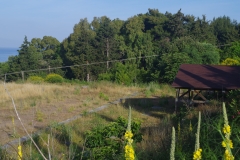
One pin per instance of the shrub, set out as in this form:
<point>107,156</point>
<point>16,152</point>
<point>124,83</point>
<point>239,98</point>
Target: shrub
<point>35,79</point>
<point>107,142</point>
<point>105,76</point>
<point>54,78</point>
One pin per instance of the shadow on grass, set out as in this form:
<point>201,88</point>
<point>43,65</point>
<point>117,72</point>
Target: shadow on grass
<point>154,106</point>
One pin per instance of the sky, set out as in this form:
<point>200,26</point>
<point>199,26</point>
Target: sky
<point>56,18</point>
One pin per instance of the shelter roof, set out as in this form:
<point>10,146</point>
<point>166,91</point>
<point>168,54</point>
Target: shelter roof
<point>207,77</point>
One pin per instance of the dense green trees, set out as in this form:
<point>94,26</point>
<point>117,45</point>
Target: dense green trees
<point>157,44</point>
<point>37,54</point>
<point>225,30</point>
<point>78,49</point>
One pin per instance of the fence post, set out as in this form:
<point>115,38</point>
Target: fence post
<point>22,72</point>
<point>49,69</point>
<point>87,77</point>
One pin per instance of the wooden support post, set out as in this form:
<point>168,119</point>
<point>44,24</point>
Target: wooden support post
<point>200,95</point>
<point>223,95</point>
<point>176,99</point>
<point>49,69</point>
<point>181,97</point>
<point>191,97</point>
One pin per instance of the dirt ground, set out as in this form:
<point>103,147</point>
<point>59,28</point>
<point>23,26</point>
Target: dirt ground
<point>40,105</point>
<point>34,120</point>
<point>37,113</point>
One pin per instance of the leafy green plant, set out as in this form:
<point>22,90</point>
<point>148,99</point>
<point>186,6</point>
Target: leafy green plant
<point>105,76</point>
<point>212,134</point>
<point>234,105</point>
<point>103,96</point>
<point>107,142</point>
<point>54,78</point>
<point>123,74</point>
<point>4,154</point>
<point>148,93</point>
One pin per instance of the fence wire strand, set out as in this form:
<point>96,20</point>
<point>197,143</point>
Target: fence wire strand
<point>77,65</point>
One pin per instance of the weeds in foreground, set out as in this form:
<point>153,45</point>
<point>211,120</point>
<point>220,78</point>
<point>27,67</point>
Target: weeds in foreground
<point>71,142</point>
<point>172,150</point>
<point>198,151</point>
<point>129,151</point>
<point>64,140</point>
<point>39,116</point>
<point>227,142</point>
<point>103,96</point>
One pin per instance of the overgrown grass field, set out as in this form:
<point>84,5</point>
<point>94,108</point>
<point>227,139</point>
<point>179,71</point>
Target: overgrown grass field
<point>45,105</point>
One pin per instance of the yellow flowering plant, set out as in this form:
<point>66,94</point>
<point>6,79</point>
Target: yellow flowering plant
<point>19,151</point>
<point>227,142</point>
<point>110,140</point>
<point>129,151</point>
<point>197,155</point>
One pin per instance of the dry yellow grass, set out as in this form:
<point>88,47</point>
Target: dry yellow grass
<point>153,128</point>
<point>41,104</point>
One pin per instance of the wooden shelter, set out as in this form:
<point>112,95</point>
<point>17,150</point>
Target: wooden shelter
<point>192,79</point>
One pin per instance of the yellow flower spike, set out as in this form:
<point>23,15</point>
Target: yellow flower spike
<point>19,151</point>
<point>129,151</point>
<point>224,144</point>
<point>230,144</point>
<point>226,129</point>
<point>128,134</point>
<point>227,142</point>
<point>228,156</point>
<point>197,154</point>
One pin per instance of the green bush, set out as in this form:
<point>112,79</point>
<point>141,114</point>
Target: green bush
<point>54,78</point>
<point>105,76</point>
<point>35,79</point>
<point>107,142</point>
<point>124,74</point>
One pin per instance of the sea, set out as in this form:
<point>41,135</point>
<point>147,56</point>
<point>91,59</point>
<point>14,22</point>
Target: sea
<point>6,52</point>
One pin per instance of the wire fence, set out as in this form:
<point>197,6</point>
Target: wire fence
<point>77,65</point>
<point>88,64</point>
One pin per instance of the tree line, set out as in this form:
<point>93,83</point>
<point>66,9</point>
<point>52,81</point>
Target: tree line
<point>175,39</point>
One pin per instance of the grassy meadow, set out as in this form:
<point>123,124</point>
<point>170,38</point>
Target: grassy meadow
<point>44,105</point>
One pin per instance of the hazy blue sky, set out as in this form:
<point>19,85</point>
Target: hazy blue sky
<point>56,18</point>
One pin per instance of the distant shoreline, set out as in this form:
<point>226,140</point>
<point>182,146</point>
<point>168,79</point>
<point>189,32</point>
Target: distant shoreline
<point>5,52</point>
